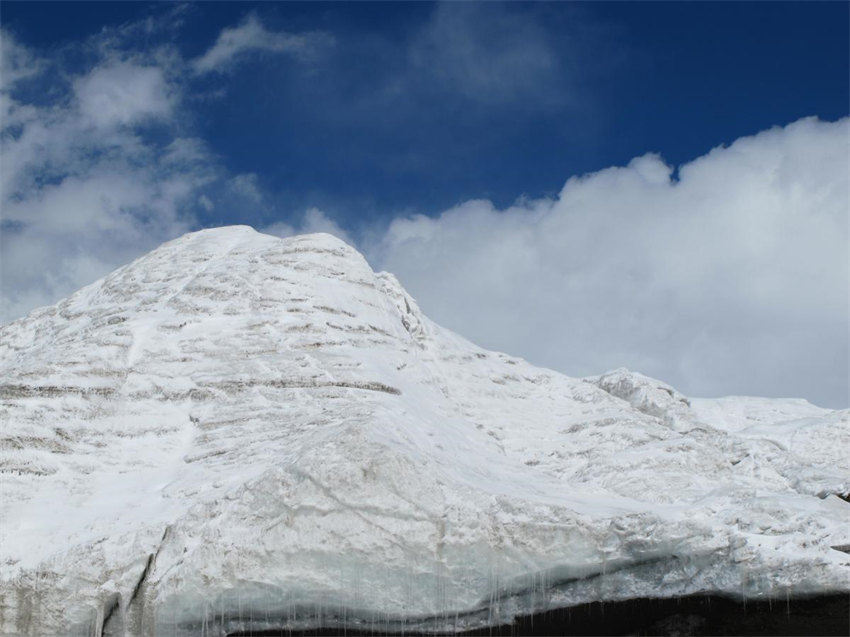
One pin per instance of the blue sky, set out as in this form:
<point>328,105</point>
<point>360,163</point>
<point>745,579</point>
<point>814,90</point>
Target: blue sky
<point>367,130</point>
<point>126,124</point>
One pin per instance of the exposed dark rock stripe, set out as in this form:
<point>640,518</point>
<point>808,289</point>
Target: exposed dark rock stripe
<point>33,391</point>
<point>49,391</point>
<point>692,615</point>
<point>305,383</point>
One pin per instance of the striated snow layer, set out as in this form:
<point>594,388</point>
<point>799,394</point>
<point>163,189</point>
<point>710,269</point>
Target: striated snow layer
<point>238,432</point>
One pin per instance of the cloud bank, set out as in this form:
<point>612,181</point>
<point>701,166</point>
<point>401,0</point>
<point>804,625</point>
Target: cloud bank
<point>731,277</point>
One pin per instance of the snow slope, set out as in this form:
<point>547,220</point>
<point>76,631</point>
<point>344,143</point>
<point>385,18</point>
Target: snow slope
<point>238,432</point>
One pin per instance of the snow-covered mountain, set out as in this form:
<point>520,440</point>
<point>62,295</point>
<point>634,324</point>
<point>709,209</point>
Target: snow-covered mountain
<point>238,432</point>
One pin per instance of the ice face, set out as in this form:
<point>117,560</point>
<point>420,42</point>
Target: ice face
<point>238,432</point>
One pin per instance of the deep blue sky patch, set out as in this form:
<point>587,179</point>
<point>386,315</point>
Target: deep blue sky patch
<point>384,122</point>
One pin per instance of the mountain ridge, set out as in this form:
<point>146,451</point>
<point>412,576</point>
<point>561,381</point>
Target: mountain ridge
<point>238,421</point>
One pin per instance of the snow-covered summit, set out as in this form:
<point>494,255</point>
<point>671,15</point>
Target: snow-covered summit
<point>239,432</point>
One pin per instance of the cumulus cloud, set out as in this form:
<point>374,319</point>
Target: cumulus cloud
<point>251,36</point>
<point>732,277</point>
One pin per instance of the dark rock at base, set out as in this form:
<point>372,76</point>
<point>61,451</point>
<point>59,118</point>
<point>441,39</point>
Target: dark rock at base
<point>680,617</point>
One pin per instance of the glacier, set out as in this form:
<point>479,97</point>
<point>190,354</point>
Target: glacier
<point>239,433</point>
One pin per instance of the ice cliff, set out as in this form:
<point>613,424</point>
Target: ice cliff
<point>237,432</point>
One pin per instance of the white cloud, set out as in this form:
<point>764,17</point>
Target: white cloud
<point>251,35</point>
<point>732,279</point>
<point>122,93</point>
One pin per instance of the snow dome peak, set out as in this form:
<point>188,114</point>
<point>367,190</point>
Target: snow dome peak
<point>240,433</point>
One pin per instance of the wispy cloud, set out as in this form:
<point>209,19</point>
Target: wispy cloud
<point>247,184</point>
<point>16,61</point>
<point>251,36</point>
<point>488,54</point>
<point>313,220</point>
